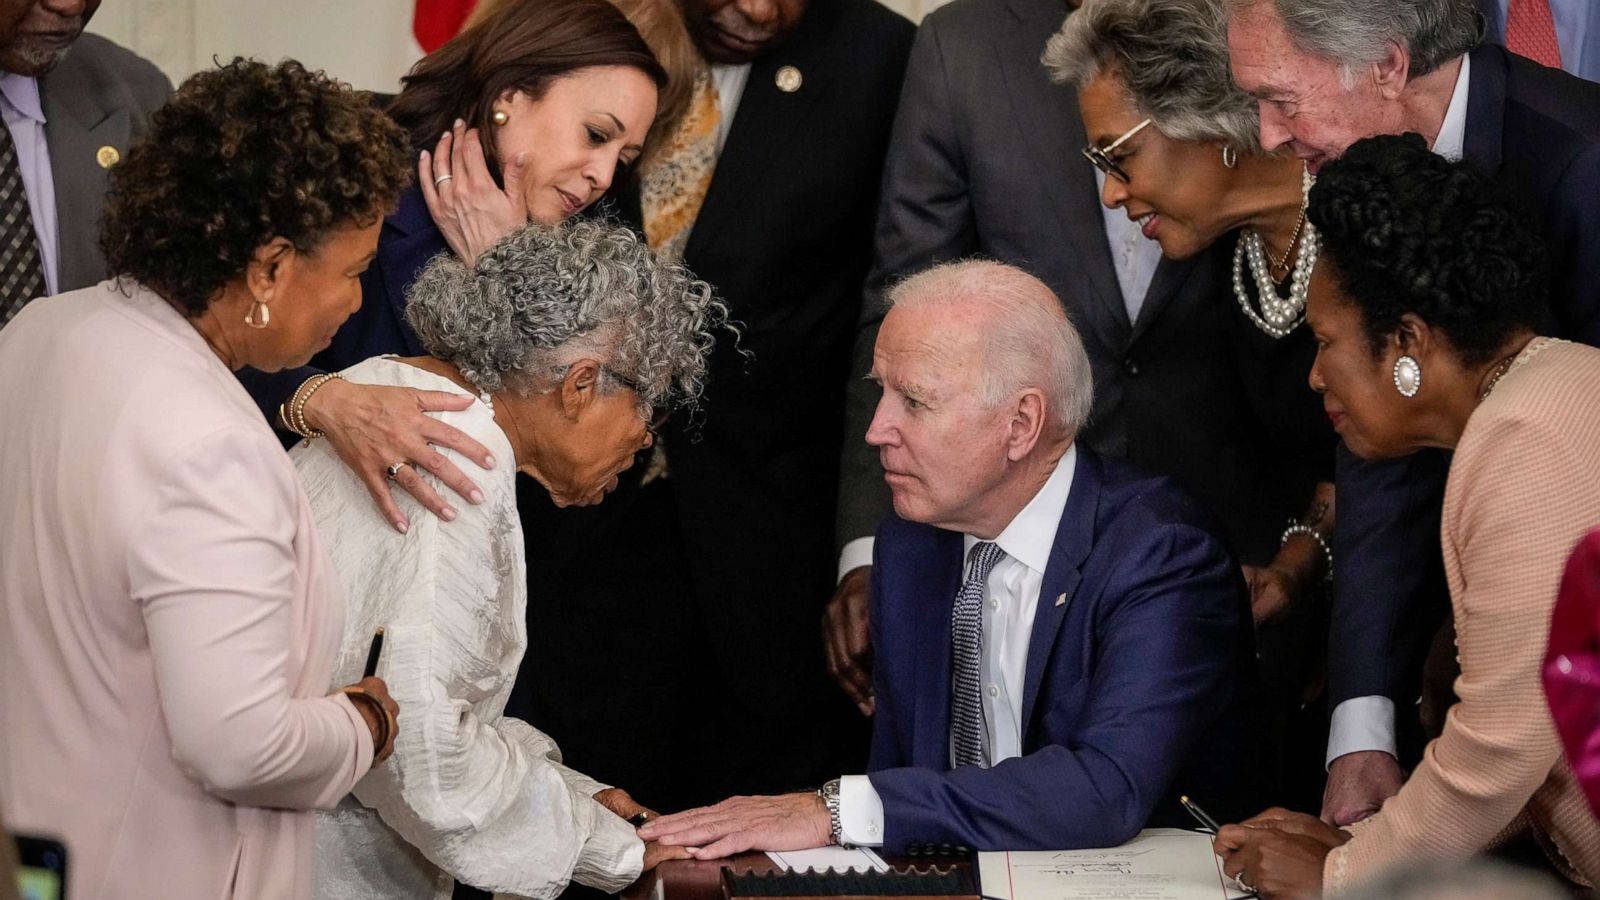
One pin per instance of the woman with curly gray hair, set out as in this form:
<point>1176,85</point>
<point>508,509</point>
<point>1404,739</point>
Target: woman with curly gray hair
<point>567,337</point>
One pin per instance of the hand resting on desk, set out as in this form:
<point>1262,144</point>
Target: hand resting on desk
<point>782,822</point>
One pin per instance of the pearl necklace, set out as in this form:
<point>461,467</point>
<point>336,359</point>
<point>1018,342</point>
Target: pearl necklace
<point>1279,315</point>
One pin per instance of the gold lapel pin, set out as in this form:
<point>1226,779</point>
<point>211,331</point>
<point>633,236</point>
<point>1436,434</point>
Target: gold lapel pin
<point>788,79</point>
<point>1061,600</point>
<point>107,156</point>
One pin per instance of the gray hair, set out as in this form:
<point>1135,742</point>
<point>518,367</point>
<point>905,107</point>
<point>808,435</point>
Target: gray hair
<point>1031,343</point>
<point>1357,33</point>
<point>546,296</point>
<point>1172,59</point>
<point>1477,879</point>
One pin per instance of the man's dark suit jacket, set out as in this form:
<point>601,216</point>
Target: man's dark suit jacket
<point>985,161</point>
<point>1536,132</point>
<point>99,95</point>
<point>1137,685</point>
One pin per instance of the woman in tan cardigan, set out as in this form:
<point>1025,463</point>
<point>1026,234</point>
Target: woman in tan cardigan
<point>1425,324</point>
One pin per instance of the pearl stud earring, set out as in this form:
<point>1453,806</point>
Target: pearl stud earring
<point>500,117</point>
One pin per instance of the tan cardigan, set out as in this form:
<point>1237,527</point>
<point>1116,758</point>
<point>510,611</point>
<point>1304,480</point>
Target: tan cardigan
<point>1524,487</point>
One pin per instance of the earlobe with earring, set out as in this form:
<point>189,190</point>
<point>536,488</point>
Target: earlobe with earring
<point>1230,156</point>
<point>500,117</point>
<point>259,315</point>
<point>1407,376</point>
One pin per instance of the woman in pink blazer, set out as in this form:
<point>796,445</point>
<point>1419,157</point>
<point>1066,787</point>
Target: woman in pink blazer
<point>168,623</point>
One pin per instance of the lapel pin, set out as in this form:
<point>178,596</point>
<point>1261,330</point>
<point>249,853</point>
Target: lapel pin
<point>107,156</point>
<point>788,79</point>
<point>1061,600</point>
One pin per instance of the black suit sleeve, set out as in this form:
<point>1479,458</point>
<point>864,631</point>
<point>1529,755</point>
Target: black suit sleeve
<point>1575,229</point>
<point>924,217</point>
<point>1389,591</point>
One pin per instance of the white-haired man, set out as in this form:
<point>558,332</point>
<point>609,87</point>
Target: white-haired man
<point>1061,642</point>
<point>1327,73</point>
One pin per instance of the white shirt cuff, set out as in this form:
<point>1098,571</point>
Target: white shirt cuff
<point>1362,723</point>
<point>855,554</point>
<point>860,809</point>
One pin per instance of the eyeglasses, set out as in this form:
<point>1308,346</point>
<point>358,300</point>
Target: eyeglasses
<point>1100,157</point>
<point>658,416</point>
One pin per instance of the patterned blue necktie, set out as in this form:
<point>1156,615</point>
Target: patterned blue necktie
<point>968,736</point>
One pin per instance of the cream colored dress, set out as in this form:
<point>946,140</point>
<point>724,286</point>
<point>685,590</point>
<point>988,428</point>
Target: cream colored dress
<point>469,794</point>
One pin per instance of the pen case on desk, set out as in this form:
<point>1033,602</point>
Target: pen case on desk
<point>910,885</point>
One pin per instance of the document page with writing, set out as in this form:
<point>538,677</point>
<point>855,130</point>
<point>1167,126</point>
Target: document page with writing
<point>1158,864</point>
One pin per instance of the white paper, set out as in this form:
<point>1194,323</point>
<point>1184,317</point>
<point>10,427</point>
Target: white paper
<point>1159,864</point>
<point>822,859</point>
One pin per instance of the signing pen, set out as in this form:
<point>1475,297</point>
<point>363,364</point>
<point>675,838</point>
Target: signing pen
<point>1199,814</point>
<point>373,654</point>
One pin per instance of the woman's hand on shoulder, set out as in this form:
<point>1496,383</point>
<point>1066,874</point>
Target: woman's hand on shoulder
<point>471,211</point>
<point>373,427</point>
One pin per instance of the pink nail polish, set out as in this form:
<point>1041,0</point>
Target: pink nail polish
<point>476,497</point>
<point>402,526</point>
<point>489,460</point>
<point>449,514</point>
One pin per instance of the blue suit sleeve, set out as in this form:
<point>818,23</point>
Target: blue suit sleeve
<point>886,751</point>
<point>1389,589</point>
<point>1575,231</point>
<point>1165,668</point>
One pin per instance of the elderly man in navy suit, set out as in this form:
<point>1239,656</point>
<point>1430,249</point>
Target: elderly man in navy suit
<point>1328,73</point>
<point>1062,642</point>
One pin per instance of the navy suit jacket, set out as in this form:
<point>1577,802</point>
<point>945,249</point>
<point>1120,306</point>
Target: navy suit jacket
<point>1536,132</point>
<point>1138,684</point>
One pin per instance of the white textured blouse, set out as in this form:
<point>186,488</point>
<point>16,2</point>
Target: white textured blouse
<point>469,794</point>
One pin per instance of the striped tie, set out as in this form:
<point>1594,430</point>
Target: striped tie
<point>1531,32</point>
<point>968,736</point>
<point>21,270</point>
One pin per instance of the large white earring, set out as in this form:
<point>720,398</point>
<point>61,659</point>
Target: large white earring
<point>1230,156</point>
<point>1407,376</point>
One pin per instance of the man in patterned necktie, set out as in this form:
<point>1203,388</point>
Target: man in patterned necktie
<point>71,105</point>
<point>1061,641</point>
<point>1327,73</point>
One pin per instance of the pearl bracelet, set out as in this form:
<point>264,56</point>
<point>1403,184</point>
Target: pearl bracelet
<point>293,411</point>
<point>1296,528</point>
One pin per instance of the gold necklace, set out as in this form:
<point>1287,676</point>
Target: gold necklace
<point>1282,265</point>
<point>1499,372</point>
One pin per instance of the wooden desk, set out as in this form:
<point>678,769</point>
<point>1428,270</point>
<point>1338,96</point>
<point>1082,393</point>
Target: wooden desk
<point>692,879</point>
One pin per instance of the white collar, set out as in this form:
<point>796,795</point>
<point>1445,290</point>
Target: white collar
<point>1032,532</point>
<point>1452,140</point>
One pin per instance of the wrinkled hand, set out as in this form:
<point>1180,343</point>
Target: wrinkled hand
<point>472,212</point>
<point>1358,783</point>
<point>372,427</point>
<point>655,854</point>
<point>1273,592</point>
<point>1273,862</point>
<point>379,689</point>
<point>622,805</point>
<point>1301,824</point>
<point>783,822</point>
<point>846,640</point>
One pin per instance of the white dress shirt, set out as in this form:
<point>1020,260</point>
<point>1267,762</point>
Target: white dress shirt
<point>23,112</point>
<point>730,82</point>
<point>469,793</point>
<point>1367,723</point>
<point>1010,599</point>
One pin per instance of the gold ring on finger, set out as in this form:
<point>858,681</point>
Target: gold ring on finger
<point>394,470</point>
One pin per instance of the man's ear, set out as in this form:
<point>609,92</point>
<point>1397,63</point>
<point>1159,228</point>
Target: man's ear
<point>579,387</point>
<point>1392,73</point>
<point>1027,423</point>
<point>268,267</point>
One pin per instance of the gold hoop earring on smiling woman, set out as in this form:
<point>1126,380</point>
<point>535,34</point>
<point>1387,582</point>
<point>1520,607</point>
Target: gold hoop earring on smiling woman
<point>500,117</point>
<point>1407,376</point>
<point>258,316</point>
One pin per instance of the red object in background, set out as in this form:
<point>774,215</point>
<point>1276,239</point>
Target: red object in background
<point>437,21</point>
<point>1572,665</point>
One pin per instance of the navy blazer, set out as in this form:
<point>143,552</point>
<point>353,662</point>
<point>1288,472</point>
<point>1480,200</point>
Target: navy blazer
<point>1138,683</point>
<point>407,242</point>
<point>1536,132</point>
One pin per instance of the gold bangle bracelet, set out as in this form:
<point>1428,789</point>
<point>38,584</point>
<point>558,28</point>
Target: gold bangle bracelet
<point>293,412</point>
<point>386,722</point>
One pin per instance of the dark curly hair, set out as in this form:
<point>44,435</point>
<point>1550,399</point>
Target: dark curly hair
<point>241,154</point>
<point>1408,231</point>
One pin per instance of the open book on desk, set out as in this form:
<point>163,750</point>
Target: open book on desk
<point>1158,864</point>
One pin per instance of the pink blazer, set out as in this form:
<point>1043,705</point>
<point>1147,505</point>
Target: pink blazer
<point>168,623</point>
<point>1572,666</point>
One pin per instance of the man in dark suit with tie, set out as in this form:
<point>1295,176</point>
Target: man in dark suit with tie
<point>1062,642</point>
<point>1416,66</point>
<point>985,160</point>
<point>675,648</point>
<point>72,104</point>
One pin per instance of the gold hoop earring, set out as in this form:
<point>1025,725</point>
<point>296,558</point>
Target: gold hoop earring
<point>258,316</point>
<point>1230,156</point>
<point>500,117</point>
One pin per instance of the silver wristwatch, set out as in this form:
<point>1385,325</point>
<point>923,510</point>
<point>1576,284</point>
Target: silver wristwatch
<point>829,793</point>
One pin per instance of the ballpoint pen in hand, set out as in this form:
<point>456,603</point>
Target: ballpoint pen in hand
<point>1199,814</point>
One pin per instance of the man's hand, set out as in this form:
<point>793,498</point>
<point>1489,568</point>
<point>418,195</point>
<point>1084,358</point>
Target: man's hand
<point>1358,783</point>
<point>372,427</point>
<point>1273,862</point>
<point>845,637</point>
<point>784,822</point>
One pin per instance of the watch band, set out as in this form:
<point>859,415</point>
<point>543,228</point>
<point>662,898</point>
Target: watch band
<point>829,792</point>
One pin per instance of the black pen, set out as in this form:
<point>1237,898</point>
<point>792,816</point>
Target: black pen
<point>373,654</point>
<point>1199,814</point>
